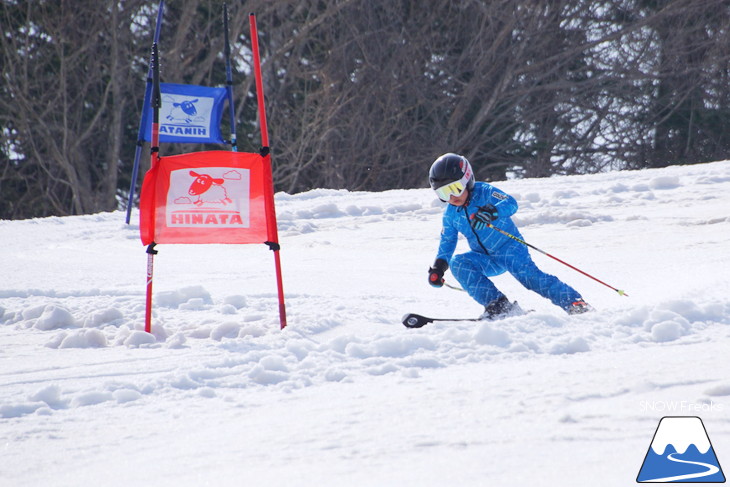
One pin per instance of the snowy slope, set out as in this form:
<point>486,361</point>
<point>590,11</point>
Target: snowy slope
<point>346,395</point>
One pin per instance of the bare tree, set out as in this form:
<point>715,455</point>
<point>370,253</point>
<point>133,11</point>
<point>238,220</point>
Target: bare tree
<point>689,114</point>
<point>364,95</point>
<point>63,104</point>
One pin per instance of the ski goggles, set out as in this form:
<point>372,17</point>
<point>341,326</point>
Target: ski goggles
<point>456,188</point>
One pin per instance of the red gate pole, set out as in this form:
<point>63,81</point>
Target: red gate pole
<point>151,252</point>
<point>273,233</point>
<point>154,158</point>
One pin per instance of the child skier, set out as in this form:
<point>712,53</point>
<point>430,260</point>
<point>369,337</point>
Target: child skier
<point>473,206</point>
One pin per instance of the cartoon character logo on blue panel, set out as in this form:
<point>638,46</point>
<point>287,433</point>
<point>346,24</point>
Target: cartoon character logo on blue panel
<point>182,111</point>
<point>681,452</point>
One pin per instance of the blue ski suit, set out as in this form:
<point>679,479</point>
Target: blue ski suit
<point>493,253</point>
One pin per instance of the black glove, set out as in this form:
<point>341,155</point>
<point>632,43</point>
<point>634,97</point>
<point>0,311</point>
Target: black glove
<point>436,273</point>
<point>484,216</point>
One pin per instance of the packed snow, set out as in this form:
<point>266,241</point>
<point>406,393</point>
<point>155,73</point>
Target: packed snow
<point>346,395</point>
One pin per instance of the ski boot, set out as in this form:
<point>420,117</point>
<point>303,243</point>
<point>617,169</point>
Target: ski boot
<point>579,307</point>
<point>501,308</point>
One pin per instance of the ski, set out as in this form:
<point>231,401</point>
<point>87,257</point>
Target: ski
<point>413,320</point>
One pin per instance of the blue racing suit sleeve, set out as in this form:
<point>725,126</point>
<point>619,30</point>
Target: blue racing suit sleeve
<point>449,239</point>
<point>506,205</point>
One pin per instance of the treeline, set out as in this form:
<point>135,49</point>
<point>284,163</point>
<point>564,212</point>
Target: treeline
<point>364,94</point>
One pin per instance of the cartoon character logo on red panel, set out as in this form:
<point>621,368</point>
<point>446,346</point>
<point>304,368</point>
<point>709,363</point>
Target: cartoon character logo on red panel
<point>208,189</point>
<point>209,197</point>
